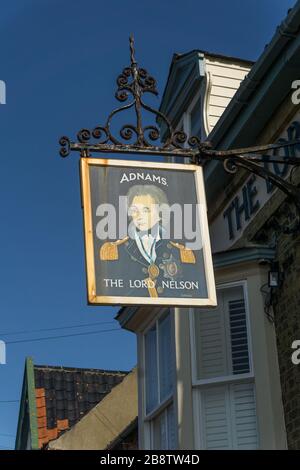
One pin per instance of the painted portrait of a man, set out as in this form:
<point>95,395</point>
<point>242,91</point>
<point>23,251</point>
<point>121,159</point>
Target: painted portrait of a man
<point>148,260</point>
<point>152,260</point>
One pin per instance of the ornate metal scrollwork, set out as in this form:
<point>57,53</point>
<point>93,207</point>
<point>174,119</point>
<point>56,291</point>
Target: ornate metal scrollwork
<point>133,83</point>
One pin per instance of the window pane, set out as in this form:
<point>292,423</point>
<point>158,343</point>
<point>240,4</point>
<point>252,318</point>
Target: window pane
<point>172,441</point>
<point>165,358</point>
<point>151,370</point>
<point>195,117</point>
<point>239,337</point>
<point>160,432</point>
<point>221,336</point>
<point>164,433</point>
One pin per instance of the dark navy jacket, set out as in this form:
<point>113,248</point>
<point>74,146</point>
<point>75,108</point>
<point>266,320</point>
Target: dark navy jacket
<point>131,266</point>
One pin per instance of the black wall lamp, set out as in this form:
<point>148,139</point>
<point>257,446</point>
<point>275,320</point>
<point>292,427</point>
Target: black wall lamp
<point>275,276</point>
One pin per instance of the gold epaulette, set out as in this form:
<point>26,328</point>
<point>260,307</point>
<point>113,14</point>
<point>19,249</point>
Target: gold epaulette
<point>109,250</point>
<point>186,254</point>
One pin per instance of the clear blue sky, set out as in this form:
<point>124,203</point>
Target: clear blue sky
<point>60,59</point>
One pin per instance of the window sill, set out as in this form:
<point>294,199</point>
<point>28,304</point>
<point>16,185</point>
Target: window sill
<point>224,380</point>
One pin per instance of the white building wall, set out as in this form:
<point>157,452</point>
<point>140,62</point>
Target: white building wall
<point>223,78</point>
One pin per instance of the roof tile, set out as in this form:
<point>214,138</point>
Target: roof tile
<point>64,395</point>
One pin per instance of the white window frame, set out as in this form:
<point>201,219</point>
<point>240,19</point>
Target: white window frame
<point>148,418</point>
<point>185,120</point>
<point>222,380</point>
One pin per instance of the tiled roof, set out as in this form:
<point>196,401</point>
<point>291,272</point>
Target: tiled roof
<point>64,395</point>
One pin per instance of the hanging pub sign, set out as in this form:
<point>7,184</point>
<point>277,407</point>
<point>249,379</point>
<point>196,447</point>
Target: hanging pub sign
<point>146,234</point>
<point>146,229</point>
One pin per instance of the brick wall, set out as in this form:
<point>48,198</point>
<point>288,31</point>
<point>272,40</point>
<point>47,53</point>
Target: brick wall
<point>287,322</point>
<point>265,229</point>
<point>286,306</point>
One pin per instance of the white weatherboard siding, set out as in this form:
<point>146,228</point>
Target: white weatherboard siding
<point>223,80</point>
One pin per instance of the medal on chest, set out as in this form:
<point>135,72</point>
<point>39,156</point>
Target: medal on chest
<point>153,271</point>
<point>170,268</point>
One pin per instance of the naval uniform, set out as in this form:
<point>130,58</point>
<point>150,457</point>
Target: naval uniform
<point>157,262</point>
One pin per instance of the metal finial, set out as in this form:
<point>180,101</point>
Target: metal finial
<point>132,51</point>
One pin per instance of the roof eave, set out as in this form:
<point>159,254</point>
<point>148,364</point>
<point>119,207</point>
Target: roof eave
<point>259,75</point>
<point>259,95</point>
<point>183,81</point>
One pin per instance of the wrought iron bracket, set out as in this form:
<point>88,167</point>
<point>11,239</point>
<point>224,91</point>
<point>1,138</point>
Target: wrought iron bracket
<point>136,138</point>
<point>248,159</point>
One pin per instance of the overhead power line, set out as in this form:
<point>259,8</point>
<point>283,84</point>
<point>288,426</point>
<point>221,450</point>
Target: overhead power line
<point>30,340</point>
<point>9,333</point>
<point>9,401</point>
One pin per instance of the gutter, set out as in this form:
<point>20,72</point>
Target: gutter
<point>285,33</point>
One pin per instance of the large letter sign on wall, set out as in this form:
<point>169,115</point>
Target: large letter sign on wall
<point>146,234</point>
<point>229,225</point>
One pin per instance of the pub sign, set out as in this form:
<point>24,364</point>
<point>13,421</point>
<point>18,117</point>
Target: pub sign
<point>146,234</point>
